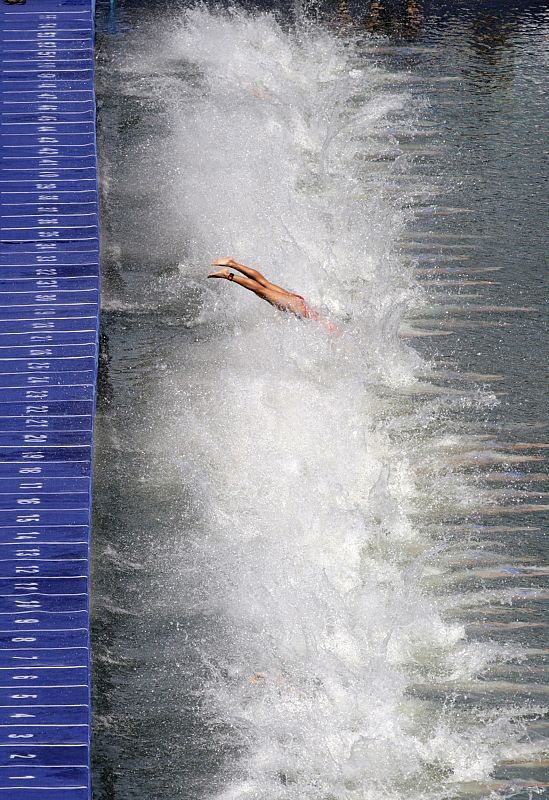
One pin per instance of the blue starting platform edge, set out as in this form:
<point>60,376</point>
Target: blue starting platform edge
<point>49,309</point>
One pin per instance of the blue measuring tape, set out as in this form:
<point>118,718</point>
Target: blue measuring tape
<point>49,307</point>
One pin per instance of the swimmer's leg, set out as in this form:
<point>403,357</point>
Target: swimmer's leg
<point>282,300</point>
<point>250,273</point>
<point>248,283</point>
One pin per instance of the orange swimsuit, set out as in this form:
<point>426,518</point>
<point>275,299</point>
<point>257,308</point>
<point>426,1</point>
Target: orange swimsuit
<point>310,313</point>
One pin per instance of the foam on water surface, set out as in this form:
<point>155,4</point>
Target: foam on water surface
<point>315,474</point>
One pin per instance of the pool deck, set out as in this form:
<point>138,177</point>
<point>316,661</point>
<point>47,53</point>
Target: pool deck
<point>49,306</point>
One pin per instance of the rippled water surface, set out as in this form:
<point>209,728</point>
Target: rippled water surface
<point>320,565</point>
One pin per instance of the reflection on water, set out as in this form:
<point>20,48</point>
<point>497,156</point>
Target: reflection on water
<point>404,22</point>
<point>448,606</point>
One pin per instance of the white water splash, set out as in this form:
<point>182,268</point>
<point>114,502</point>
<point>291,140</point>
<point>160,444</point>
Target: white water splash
<point>302,466</point>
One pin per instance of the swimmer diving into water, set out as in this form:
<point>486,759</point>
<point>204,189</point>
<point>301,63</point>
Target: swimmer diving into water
<point>257,283</point>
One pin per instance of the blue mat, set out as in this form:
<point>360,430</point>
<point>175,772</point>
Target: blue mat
<point>49,306</point>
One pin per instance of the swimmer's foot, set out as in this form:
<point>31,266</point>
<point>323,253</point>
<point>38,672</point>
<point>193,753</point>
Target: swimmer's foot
<point>222,273</point>
<point>223,262</point>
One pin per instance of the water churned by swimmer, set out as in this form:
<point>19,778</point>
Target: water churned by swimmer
<point>304,455</point>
